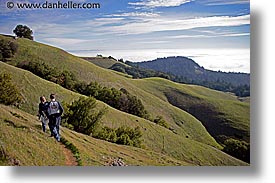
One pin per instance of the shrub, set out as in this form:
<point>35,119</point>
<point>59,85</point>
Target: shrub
<point>83,115</point>
<point>122,135</point>
<point>160,121</point>
<point>125,140</point>
<point>10,94</point>
<point>238,149</point>
<point>7,49</point>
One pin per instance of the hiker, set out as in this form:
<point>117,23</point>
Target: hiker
<point>55,111</point>
<point>42,112</point>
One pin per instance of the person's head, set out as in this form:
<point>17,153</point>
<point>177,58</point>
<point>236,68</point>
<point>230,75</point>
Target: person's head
<point>52,96</point>
<point>43,99</point>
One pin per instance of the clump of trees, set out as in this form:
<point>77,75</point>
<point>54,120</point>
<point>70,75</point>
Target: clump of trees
<point>123,135</point>
<point>227,82</point>
<point>119,99</point>
<point>64,78</point>
<point>138,72</point>
<point>23,31</point>
<point>7,49</point>
<point>10,94</point>
<point>83,115</point>
<point>160,121</point>
<point>237,148</point>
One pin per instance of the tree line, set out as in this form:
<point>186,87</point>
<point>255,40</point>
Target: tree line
<point>209,80</point>
<point>119,99</point>
<point>81,116</point>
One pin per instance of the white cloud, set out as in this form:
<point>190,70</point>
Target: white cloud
<point>135,14</point>
<point>223,2</point>
<point>64,41</point>
<point>147,24</point>
<point>159,3</point>
<point>209,36</point>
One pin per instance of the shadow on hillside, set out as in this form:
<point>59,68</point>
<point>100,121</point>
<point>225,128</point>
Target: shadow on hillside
<point>253,171</point>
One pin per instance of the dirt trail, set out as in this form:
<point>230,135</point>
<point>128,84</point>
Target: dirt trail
<point>70,159</point>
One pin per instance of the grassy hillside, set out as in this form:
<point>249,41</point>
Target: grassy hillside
<point>159,96</point>
<point>23,142</point>
<point>36,52</point>
<point>221,113</point>
<point>155,138</point>
<point>101,61</point>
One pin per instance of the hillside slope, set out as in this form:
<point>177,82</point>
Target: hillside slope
<point>221,114</point>
<point>156,95</point>
<point>85,71</point>
<point>24,144</point>
<point>175,146</point>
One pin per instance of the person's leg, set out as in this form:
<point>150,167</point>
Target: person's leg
<point>51,125</point>
<point>43,120</point>
<point>55,129</point>
<point>58,121</point>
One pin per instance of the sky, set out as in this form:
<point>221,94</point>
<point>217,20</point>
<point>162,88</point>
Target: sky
<point>214,33</point>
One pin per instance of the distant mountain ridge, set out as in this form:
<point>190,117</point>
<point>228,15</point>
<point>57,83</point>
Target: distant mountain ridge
<point>187,68</point>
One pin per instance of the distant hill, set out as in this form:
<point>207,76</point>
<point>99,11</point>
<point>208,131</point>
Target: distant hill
<point>188,68</point>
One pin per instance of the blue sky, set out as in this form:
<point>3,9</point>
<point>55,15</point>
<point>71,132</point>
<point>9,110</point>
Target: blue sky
<point>139,30</point>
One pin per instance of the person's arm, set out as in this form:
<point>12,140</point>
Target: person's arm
<point>61,108</point>
<point>40,113</point>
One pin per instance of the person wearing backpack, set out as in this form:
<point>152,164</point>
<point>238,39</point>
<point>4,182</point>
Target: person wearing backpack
<point>55,110</point>
<point>43,112</point>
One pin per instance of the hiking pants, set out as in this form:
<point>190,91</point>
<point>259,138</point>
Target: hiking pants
<point>54,126</point>
<point>44,122</point>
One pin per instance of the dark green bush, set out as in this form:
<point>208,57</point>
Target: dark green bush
<point>122,135</point>
<point>238,149</point>
<point>10,94</point>
<point>7,49</point>
<point>160,121</point>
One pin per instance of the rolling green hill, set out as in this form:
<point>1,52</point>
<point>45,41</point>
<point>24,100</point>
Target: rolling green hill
<point>188,142</point>
<point>175,146</point>
<point>23,141</point>
<point>101,61</point>
<point>37,52</point>
<point>221,114</point>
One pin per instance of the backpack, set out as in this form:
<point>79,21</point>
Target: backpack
<point>53,108</point>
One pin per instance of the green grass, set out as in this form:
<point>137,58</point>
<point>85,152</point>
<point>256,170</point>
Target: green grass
<point>103,62</point>
<point>24,142</point>
<point>32,147</point>
<point>175,146</point>
<point>152,92</point>
<point>221,113</point>
<point>29,145</point>
<point>33,51</point>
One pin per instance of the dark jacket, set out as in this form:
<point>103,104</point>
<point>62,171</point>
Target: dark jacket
<point>43,109</point>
